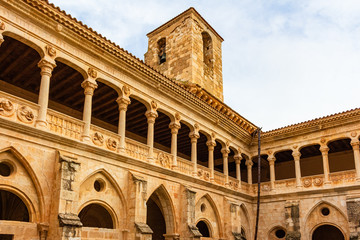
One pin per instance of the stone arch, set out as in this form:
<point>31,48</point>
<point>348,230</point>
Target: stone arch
<point>208,226</point>
<point>73,65</point>
<point>164,201</point>
<point>336,139</point>
<point>89,194</point>
<point>337,227</point>
<point>210,213</point>
<point>25,41</point>
<point>315,218</point>
<point>145,102</point>
<point>244,214</point>
<point>107,207</point>
<point>111,84</point>
<point>37,212</point>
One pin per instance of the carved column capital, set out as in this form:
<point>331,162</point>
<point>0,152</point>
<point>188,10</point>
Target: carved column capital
<point>355,143</point>
<point>174,126</point>
<point>89,87</point>
<point>238,158</point>
<point>151,115</point>
<point>194,136</point>
<point>225,151</point>
<point>211,145</point>
<point>271,159</point>
<point>123,103</point>
<point>249,163</point>
<point>46,66</point>
<point>296,154</point>
<point>324,150</point>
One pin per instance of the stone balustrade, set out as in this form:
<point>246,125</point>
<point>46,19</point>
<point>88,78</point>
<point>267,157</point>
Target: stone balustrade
<point>22,111</point>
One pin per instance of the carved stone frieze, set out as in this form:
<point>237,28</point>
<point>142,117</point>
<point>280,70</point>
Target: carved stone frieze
<point>154,105</point>
<point>164,160</point>
<point>50,50</point>
<point>126,90</point>
<point>7,108</point>
<point>111,144</point>
<point>203,174</point>
<point>98,139</point>
<point>92,72</point>
<point>2,26</point>
<point>25,114</point>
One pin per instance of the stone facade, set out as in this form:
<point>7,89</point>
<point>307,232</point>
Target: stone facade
<point>96,144</point>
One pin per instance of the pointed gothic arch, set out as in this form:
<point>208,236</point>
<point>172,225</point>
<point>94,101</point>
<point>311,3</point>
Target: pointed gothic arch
<point>161,197</point>
<point>107,186</point>
<point>34,215</point>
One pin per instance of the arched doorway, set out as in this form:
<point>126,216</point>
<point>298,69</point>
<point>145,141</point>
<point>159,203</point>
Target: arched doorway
<point>96,216</point>
<point>327,232</point>
<point>12,208</point>
<point>155,219</point>
<point>203,229</point>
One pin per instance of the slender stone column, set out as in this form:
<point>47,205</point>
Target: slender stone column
<point>123,103</point>
<point>2,28</point>
<point>272,160</point>
<point>225,151</point>
<point>194,136</point>
<point>151,116</point>
<point>46,66</point>
<point>325,157</point>
<point>89,87</point>
<point>211,145</point>
<point>296,154</point>
<point>174,126</point>
<point>355,145</point>
<point>249,165</point>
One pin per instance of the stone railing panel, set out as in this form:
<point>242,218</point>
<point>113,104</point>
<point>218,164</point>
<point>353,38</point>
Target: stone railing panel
<point>17,109</point>
<point>184,166</point>
<point>104,138</point>
<point>163,159</point>
<point>203,172</point>
<point>136,149</point>
<point>64,125</point>
<point>219,178</point>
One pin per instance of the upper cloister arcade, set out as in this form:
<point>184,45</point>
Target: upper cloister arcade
<point>47,78</point>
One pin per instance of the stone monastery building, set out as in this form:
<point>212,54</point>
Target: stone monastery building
<point>97,144</point>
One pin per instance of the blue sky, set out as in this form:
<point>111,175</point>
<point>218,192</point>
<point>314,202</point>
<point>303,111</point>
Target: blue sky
<point>284,61</point>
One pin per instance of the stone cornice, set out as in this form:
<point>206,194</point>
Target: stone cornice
<point>239,125</point>
<point>314,125</point>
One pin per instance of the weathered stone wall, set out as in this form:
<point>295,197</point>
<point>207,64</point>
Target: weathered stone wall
<point>185,55</point>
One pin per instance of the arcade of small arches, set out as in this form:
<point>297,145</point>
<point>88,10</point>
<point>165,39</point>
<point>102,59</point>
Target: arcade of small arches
<point>105,103</point>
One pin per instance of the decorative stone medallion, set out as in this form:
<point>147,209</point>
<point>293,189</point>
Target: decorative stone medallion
<point>25,114</point>
<point>92,72</point>
<point>307,182</point>
<point>50,50</point>
<point>111,144</point>
<point>98,139</point>
<point>6,107</point>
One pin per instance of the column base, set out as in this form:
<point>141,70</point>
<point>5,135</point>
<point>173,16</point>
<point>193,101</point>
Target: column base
<point>150,160</point>
<point>299,186</point>
<point>85,138</point>
<point>41,124</point>
<point>174,167</point>
<point>227,184</point>
<point>357,179</point>
<point>327,183</point>
<point>122,150</point>
<point>212,180</point>
<point>194,174</point>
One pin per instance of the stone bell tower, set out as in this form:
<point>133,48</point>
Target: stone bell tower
<point>188,49</point>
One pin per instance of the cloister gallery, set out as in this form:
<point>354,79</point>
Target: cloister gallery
<point>97,144</point>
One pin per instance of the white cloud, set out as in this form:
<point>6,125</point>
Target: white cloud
<point>283,61</point>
